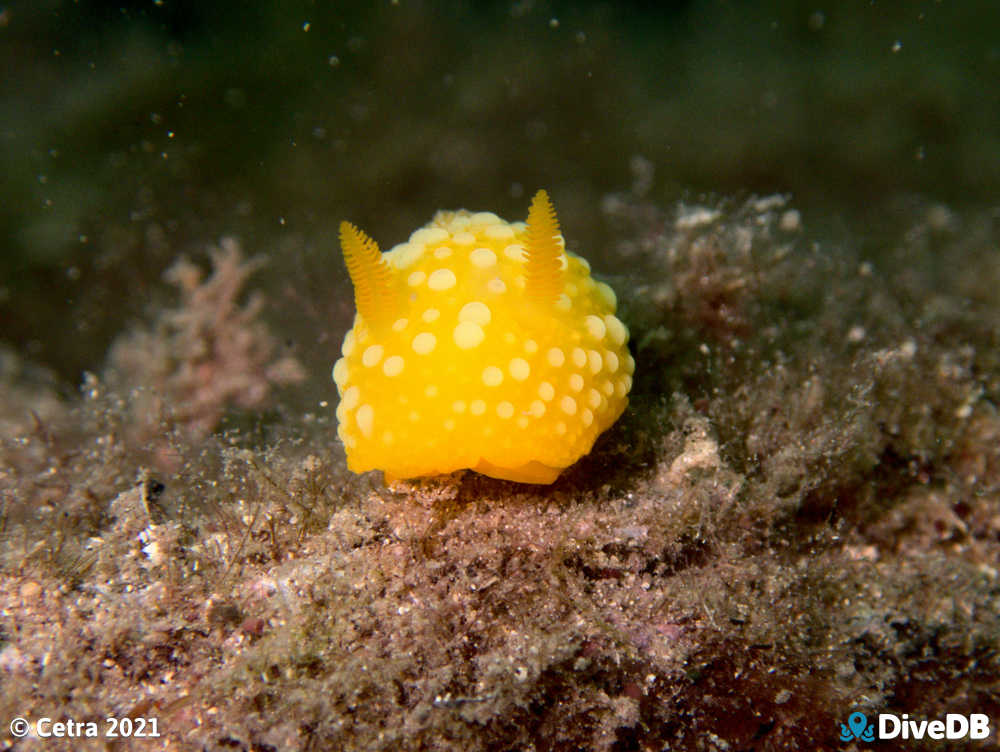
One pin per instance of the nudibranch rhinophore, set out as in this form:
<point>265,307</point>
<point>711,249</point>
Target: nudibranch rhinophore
<point>478,344</point>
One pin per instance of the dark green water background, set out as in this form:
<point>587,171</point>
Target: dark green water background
<point>133,132</point>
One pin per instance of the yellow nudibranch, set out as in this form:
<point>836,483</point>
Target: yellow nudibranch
<point>478,344</point>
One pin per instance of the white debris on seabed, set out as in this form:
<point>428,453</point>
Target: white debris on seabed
<point>791,221</point>
<point>691,218</point>
<point>701,452</point>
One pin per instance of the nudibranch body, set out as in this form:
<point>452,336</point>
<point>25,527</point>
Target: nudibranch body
<point>478,344</point>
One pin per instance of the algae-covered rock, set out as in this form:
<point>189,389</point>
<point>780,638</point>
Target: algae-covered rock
<point>796,518</point>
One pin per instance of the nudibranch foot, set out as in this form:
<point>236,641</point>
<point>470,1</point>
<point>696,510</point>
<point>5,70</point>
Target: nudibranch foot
<point>529,472</point>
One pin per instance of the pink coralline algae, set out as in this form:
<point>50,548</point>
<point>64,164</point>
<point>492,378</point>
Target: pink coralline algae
<point>207,354</point>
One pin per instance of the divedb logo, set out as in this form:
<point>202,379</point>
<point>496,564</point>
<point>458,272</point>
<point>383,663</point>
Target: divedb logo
<point>890,726</point>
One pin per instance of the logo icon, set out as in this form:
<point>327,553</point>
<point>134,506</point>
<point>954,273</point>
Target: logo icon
<point>857,728</point>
